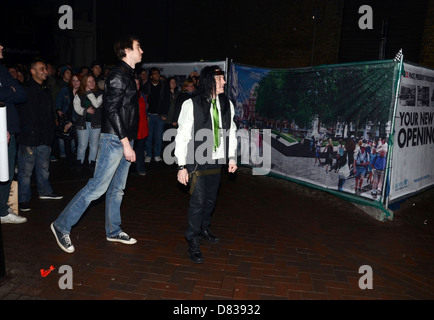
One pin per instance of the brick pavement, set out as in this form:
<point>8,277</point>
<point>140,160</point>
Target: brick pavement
<point>279,241</point>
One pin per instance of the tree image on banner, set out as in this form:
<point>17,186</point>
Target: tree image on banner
<point>346,94</point>
<point>270,93</point>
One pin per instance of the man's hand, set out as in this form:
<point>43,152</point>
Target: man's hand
<point>67,126</point>
<point>183,176</point>
<point>232,166</point>
<point>129,153</point>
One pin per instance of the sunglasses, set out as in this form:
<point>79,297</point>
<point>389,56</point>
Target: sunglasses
<point>219,72</point>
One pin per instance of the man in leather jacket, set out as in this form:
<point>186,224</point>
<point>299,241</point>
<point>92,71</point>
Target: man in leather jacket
<point>115,154</point>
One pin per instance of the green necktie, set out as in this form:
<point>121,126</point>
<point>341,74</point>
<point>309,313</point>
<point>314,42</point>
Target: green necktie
<point>215,118</point>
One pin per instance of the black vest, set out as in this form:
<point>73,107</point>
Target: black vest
<point>202,120</point>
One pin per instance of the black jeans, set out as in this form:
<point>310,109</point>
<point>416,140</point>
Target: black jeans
<point>139,148</point>
<point>202,201</point>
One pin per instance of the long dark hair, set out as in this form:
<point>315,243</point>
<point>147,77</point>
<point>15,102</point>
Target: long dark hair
<point>206,89</point>
<point>207,84</point>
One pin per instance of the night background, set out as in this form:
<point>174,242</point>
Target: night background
<point>269,34</point>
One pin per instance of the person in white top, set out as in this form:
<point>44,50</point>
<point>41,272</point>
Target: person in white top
<point>207,116</point>
<point>87,107</point>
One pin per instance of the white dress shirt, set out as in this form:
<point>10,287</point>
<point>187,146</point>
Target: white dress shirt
<point>185,132</point>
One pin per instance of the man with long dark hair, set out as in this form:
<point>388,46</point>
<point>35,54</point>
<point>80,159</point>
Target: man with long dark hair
<point>119,127</point>
<point>209,114</point>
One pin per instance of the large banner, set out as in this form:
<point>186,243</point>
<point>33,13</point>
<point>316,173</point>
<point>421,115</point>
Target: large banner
<point>330,125</point>
<point>412,166</point>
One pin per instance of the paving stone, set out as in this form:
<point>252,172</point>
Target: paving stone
<point>278,241</point>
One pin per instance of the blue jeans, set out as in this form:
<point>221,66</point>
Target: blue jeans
<point>110,176</point>
<point>88,136</point>
<point>39,159</point>
<point>155,137</point>
<point>5,187</point>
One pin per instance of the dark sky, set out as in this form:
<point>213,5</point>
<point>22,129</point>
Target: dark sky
<point>187,30</point>
<point>256,32</point>
<point>272,33</point>
<point>170,30</point>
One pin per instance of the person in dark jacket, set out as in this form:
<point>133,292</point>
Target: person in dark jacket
<point>158,95</point>
<point>66,116</point>
<point>120,116</point>
<point>37,124</point>
<point>11,93</point>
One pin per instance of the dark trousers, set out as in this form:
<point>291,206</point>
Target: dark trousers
<point>202,202</point>
<point>68,151</point>
<point>139,148</point>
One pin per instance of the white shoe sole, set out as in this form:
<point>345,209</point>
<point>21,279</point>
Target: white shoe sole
<point>13,220</point>
<point>58,242</point>
<point>50,198</point>
<point>131,241</point>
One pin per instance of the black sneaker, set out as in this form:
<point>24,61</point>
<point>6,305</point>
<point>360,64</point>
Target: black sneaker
<point>63,240</point>
<point>24,206</point>
<point>122,238</point>
<point>51,196</point>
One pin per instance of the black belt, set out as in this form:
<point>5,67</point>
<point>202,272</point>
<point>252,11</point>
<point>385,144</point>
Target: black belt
<point>193,176</point>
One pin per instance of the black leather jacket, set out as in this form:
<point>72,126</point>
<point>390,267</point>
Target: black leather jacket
<point>120,113</point>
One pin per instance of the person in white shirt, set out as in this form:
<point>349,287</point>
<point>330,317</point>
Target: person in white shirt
<point>88,112</point>
<point>206,139</point>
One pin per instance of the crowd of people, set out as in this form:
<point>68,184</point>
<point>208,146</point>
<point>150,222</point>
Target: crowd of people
<point>361,159</point>
<point>104,119</point>
<point>70,125</point>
